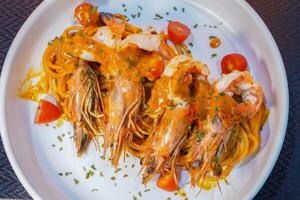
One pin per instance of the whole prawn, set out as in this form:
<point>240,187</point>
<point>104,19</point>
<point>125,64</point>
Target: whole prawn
<point>163,147</point>
<point>241,97</point>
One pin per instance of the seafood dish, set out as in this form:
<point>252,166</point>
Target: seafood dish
<point>140,91</point>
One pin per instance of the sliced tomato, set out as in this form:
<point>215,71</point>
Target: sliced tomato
<point>233,62</point>
<point>47,112</point>
<point>86,14</point>
<point>168,182</point>
<point>160,66</point>
<point>178,32</point>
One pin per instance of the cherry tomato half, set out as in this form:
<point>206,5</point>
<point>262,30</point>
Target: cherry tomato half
<point>47,112</point>
<point>86,14</point>
<point>178,32</point>
<point>233,62</point>
<point>168,182</point>
<point>159,69</point>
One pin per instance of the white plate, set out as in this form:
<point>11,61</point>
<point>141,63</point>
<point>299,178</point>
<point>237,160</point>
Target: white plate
<point>28,146</point>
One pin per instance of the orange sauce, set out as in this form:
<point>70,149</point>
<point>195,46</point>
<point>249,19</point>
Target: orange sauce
<point>215,42</point>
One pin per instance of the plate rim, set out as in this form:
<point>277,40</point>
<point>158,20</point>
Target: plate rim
<point>44,4</point>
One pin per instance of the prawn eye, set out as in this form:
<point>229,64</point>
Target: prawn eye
<point>150,170</point>
<point>196,163</point>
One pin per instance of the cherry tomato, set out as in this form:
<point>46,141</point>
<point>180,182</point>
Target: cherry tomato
<point>47,112</point>
<point>233,62</point>
<point>178,32</point>
<point>86,14</point>
<point>167,182</point>
<point>215,42</point>
<point>160,66</point>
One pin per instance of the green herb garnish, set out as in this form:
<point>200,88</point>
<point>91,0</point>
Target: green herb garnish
<point>93,167</point>
<point>117,170</point>
<point>76,181</point>
<point>89,174</point>
<point>140,7</point>
<point>59,138</point>
<point>140,194</point>
<point>213,55</point>
<point>147,190</point>
<point>200,135</point>
<point>175,8</point>
<point>158,17</point>
<point>125,175</point>
<point>94,190</point>
<point>195,26</point>
<point>113,178</point>
<point>101,174</point>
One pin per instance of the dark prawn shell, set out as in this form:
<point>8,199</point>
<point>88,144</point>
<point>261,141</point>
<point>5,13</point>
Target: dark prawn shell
<point>110,19</point>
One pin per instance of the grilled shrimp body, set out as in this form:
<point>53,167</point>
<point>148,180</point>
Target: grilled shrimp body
<point>243,98</point>
<point>164,145</point>
<point>85,106</point>
<point>241,85</point>
<point>123,105</point>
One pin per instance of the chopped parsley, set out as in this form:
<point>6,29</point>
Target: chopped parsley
<point>59,138</point>
<point>140,7</point>
<point>76,181</point>
<point>182,9</point>
<point>175,8</point>
<point>138,14</point>
<point>123,5</point>
<point>140,194</point>
<point>147,190</point>
<point>158,17</point>
<point>191,44</point>
<point>61,148</point>
<point>133,16</point>
<point>167,13</point>
<point>89,174</point>
<point>113,178</point>
<point>200,135</point>
<point>93,167</point>
<point>132,166</point>
<point>53,145</point>
<point>94,9</point>
<point>213,55</point>
<point>195,26</point>
<point>212,37</point>
<point>125,175</point>
<point>134,198</point>
<point>60,174</point>
<point>117,170</point>
<point>94,190</point>
<point>101,174</point>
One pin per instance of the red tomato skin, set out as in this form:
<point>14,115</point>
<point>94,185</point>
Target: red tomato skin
<point>233,62</point>
<point>86,15</point>
<point>160,66</point>
<point>47,112</point>
<point>178,32</point>
<point>167,182</point>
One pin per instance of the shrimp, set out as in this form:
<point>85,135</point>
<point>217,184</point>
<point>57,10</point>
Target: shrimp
<point>164,145</point>
<point>123,105</point>
<point>240,97</point>
<point>85,105</point>
<point>241,86</point>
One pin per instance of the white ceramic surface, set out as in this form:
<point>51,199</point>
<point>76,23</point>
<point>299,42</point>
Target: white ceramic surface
<point>28,146</point>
